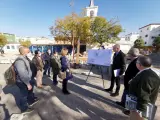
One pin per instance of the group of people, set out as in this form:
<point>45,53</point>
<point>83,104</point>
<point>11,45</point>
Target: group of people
<point>140,81</point>
<point>29,73</point>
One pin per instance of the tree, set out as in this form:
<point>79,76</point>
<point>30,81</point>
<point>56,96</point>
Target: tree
<point>3,41</point>
<point>139,43</point>
<point>26,43</point>
<point>156,43</point>
<point>73,28</point>
<point>104,31</point>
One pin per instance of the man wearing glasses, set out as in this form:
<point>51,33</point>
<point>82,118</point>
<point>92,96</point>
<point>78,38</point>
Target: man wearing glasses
<point>144,86</point>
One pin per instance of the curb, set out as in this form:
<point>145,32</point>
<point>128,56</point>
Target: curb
<point>6,61</point>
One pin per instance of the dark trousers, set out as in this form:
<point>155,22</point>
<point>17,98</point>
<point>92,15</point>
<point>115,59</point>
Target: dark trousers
<point>113,80</point>
<point>123,99</point>
<point>55,78</point>
<point>27,96</point>
<point>47,69</point>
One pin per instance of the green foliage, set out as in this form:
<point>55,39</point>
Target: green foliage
<point>3,40</point>
<point>72,26</point>
<point>96,30</point>
<point>156,42</point>
<point>26,43</point>
<point>139,43</point>
<point>104,31</point>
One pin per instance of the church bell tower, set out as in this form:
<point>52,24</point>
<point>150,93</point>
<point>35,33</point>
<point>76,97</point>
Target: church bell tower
<point>92,10</point>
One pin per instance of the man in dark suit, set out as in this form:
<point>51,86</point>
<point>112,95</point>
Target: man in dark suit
<point>144,86</point>
<point>131,72</point>
<point>118,65</point>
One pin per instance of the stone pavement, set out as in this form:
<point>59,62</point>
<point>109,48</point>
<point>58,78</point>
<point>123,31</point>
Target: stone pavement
<point>88,101</point>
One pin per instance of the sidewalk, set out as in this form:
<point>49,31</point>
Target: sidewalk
<point>88,101</point>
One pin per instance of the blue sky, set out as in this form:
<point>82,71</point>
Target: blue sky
<point>34,17</point>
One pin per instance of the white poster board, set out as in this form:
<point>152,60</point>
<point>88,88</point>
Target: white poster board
<point>100,57</point>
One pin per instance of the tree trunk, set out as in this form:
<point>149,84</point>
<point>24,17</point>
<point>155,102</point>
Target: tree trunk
<point>78,51</point>
<point>73,46</point>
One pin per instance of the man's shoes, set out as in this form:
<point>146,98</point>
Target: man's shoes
<point>66,92</point>
<point>36,100</point>
<point>120,104</point>
<point>114,94</point>
<point>126,112</point>
<point>55,83</point>
<point>29,110</point>
<point>109,90</point>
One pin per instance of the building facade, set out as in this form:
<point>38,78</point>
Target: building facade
<point>11,38</point>
<point>13,44</point>
<point>149,32</point>
<point>92,10</point>
<point>132,37</point>
<point>11,48</point>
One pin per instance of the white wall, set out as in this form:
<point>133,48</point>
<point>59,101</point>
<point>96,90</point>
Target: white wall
<point>9,48</point>
<point>132,37</point>
<point>151,31</point>
<point>125,46</point>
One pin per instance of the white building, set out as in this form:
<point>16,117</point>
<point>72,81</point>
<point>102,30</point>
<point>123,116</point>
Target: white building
<point>122,38</point>
<point>91,11</point>
<point>127,41</point>
<point>149,32</point>
<point>125,45</point>
<point>11,48</point>
<point>132,37</point>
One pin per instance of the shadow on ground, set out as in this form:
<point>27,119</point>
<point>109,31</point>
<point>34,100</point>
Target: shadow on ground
<point>82,104</point>
<point>78,102</point>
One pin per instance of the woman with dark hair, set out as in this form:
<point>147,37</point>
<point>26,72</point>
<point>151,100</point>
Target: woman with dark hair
<point>55,65</point>
<point>65,67</point>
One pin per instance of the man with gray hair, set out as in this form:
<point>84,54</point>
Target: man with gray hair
<point>23,79</point>
<point>129,74</point>
<point>118,65</point>
<point>144,87</point>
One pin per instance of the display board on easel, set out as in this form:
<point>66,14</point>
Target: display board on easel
<point>101,58</point>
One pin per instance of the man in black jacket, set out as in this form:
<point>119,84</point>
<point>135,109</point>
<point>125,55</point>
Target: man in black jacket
<point>144,87</point>
<point>118,65</point>
<point>131,72</point>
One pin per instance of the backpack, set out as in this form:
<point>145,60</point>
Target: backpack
<point>10,75</point>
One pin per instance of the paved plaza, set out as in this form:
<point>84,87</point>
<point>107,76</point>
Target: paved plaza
<point>88,101</point>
